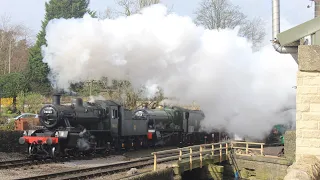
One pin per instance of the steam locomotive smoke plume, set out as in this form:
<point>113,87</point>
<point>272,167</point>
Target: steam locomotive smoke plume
<point>92,99</point>
<point>246,93</point>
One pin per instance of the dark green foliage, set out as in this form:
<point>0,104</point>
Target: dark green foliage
<point>38,70</point>
<point>9,141</point>
<point>77,87</point>
<point>66,9</point>
<point>12,84</point>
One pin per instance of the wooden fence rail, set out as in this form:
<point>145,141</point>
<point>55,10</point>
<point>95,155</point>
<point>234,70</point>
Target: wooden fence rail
<point>204,149</point>
<point>234,145</point>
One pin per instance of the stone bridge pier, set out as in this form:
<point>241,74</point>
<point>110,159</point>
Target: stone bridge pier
<point>307,164</point>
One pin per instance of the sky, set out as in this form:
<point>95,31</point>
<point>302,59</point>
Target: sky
<point>31,12</point>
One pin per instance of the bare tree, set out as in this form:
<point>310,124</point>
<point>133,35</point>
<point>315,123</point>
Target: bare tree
<point>14,43</point>
<point>218,14</point>
<point>4,24</point>
<point>13,53</point>
<point>146,3</point>
<point>222,14</point>
<point>107,14</point>
<point>254,31</point>
<point>128,7</point>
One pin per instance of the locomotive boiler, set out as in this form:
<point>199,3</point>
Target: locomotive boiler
<point>103,125</point>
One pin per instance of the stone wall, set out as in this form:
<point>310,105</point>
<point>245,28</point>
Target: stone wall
<point>306,168</point>
<point>163,174</point>
<point>308,102</point>
<point>290,145</point>
<point>259,167</point>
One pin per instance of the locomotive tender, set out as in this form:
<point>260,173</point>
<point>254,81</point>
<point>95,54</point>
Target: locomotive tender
<point>86,128</point>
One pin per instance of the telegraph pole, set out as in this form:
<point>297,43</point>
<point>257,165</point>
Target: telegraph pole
<point>9,57</point>
<point>90,87</point>
<point>0,101</point>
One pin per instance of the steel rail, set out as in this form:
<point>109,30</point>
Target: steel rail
<point>18,163</point>
<point>88,173</point>
<point>29,161</point>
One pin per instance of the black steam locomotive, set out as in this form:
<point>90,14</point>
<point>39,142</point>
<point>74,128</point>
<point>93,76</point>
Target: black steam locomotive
<point>87,128</point>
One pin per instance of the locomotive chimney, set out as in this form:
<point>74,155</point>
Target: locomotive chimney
<point>56,99</point>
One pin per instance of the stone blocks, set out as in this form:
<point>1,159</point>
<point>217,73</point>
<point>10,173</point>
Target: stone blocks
<point>290,145</point>
<point>309,58</point>
<point>308,102</point>
<point>306,168</point>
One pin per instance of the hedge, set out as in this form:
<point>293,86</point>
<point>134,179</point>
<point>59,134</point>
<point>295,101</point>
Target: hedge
<point>9,141</point>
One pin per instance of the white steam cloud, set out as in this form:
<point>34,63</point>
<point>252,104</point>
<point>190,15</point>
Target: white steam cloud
<point>244,92</point>
<point>92,99</point>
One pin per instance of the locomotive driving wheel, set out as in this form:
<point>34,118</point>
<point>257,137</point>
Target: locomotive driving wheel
<point>31,149</point>
<point>53,152</point>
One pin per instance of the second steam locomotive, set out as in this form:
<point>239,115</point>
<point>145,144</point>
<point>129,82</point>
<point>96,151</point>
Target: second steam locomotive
<point>102,126</point>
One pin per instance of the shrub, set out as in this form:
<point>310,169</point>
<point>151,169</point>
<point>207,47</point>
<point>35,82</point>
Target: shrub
<point>29,102</point>
<point>4,117</point>
<point>8,125</point>
<point>9,141</point>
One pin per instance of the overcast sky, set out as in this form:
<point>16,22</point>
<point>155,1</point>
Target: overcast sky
<point>31,12</point>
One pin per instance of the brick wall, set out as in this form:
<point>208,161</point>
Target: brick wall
<point>308,102</point>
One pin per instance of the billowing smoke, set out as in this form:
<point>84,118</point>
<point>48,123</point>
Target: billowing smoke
<point>169,102</point>
<point>92,99</point>
<point>83,142</point>
<point>245,92</point>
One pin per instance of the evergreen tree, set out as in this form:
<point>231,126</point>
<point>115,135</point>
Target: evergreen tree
<point>38,71</point>
<point>11,85</point>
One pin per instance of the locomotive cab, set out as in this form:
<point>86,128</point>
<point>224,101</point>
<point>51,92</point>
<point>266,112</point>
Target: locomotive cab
<point>112,116</point>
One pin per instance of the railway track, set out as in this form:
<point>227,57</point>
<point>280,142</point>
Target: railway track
<point>28,161</point>
<point>88,173</point>
<point>23,162</point>
<point>15,163</point>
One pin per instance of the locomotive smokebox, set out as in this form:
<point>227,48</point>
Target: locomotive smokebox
<point>56,99</point>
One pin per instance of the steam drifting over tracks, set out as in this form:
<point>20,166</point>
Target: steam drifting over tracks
<point>98,171</point>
